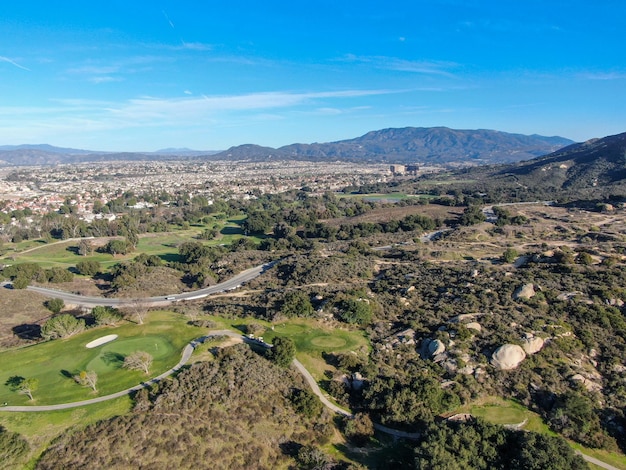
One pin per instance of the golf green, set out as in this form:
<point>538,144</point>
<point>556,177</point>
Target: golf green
<point>328,342</point>
<point>111,356</point>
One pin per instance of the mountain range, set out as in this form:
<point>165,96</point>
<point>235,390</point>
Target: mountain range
<point>597,163</point>
<point>435,145</point>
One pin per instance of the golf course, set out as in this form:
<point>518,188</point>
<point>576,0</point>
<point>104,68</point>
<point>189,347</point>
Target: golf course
<point>55,363</point>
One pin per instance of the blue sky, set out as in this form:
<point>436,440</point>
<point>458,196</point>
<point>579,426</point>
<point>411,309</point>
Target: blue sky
<point>145,75</point>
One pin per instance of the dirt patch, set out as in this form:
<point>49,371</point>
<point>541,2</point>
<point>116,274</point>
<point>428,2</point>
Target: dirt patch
<point>22,312</point>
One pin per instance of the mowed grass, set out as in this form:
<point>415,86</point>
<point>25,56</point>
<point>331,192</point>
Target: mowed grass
<point>311,337</point>
<point>164,245</point>
<point>54,363</point>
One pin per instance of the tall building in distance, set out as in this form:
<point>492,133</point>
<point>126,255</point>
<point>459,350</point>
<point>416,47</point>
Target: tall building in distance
<point>400,170</point>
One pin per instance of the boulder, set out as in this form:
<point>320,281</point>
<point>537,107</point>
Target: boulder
<point>436,347</point>
<point>533,345</point>
<point>526,291</point>
<point>474,326</point>
<point>507,357</point>
<point>432,348</point>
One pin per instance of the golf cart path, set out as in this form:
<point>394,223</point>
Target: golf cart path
<point>186,355</point>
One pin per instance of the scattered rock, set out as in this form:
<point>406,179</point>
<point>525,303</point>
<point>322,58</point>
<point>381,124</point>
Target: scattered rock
<point>568,295</point>
<point>467,370</point>
<point>527,291</point>
<point>588,384</point>
<point>533,345</point>
<point>474,326</point>
<point>460,418</point>
<point>507,357</point>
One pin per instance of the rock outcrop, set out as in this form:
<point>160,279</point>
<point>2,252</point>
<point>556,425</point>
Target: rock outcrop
<point>507,357</point>
<point>526,291</point>
<point>533,344</point>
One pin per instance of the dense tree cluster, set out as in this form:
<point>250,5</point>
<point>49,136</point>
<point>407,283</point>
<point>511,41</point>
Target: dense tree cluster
<point>62,326</point>
<point>23,274</point>
<point>482,446</point>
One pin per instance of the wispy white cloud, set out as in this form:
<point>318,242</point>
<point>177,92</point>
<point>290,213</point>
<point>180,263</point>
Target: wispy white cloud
<point>168,19</point>
<point>68,115</point>
<point>12,62</point>
<point>94,69</point>
<point>602,75</point>
<point>196,46</point>
<point>105,79</point>
<point>427,67</point>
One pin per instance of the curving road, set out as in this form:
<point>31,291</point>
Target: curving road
<point>186,355</point>
<point>86,301</point>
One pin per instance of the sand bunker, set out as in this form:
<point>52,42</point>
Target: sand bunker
<point>101,341</point>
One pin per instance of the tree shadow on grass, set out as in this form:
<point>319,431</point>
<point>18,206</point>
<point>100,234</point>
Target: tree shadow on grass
<point>171,258</point>
<point>73,249</point>
<point>232,231</point>
<point>113,359</point>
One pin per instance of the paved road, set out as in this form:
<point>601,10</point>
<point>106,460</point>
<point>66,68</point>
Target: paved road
<point>86,301</point>
<point>595,461</point>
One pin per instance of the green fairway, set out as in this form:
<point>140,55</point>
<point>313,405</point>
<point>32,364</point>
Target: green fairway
<point>164,245</point>
<point>54,363</point>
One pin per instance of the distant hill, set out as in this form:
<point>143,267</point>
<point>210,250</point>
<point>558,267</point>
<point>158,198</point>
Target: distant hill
<point>43,154</point>
<point>435,145</point>
<point>597,163</point>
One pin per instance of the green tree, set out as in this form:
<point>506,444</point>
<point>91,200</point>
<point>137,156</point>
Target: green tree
<point>22,385</point>
<point>87,378</point>
<point>85,248</point>
<point>584,258</point>
<point>257,222</point>
<point>282,351</point>
<point>472,215</point>
<point>54,305</point>
<point>62,326</point>
<point>306,402</point>
<point>359,429</point>
<point>21,282</point>
<point>509,255</point>
<point>116,247</point>
<point>355,311</point>
<point>312,458</point>
<point>296,303</point>
<point>58,275</point>
<point>106,315</point>
<point>88,267</point>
